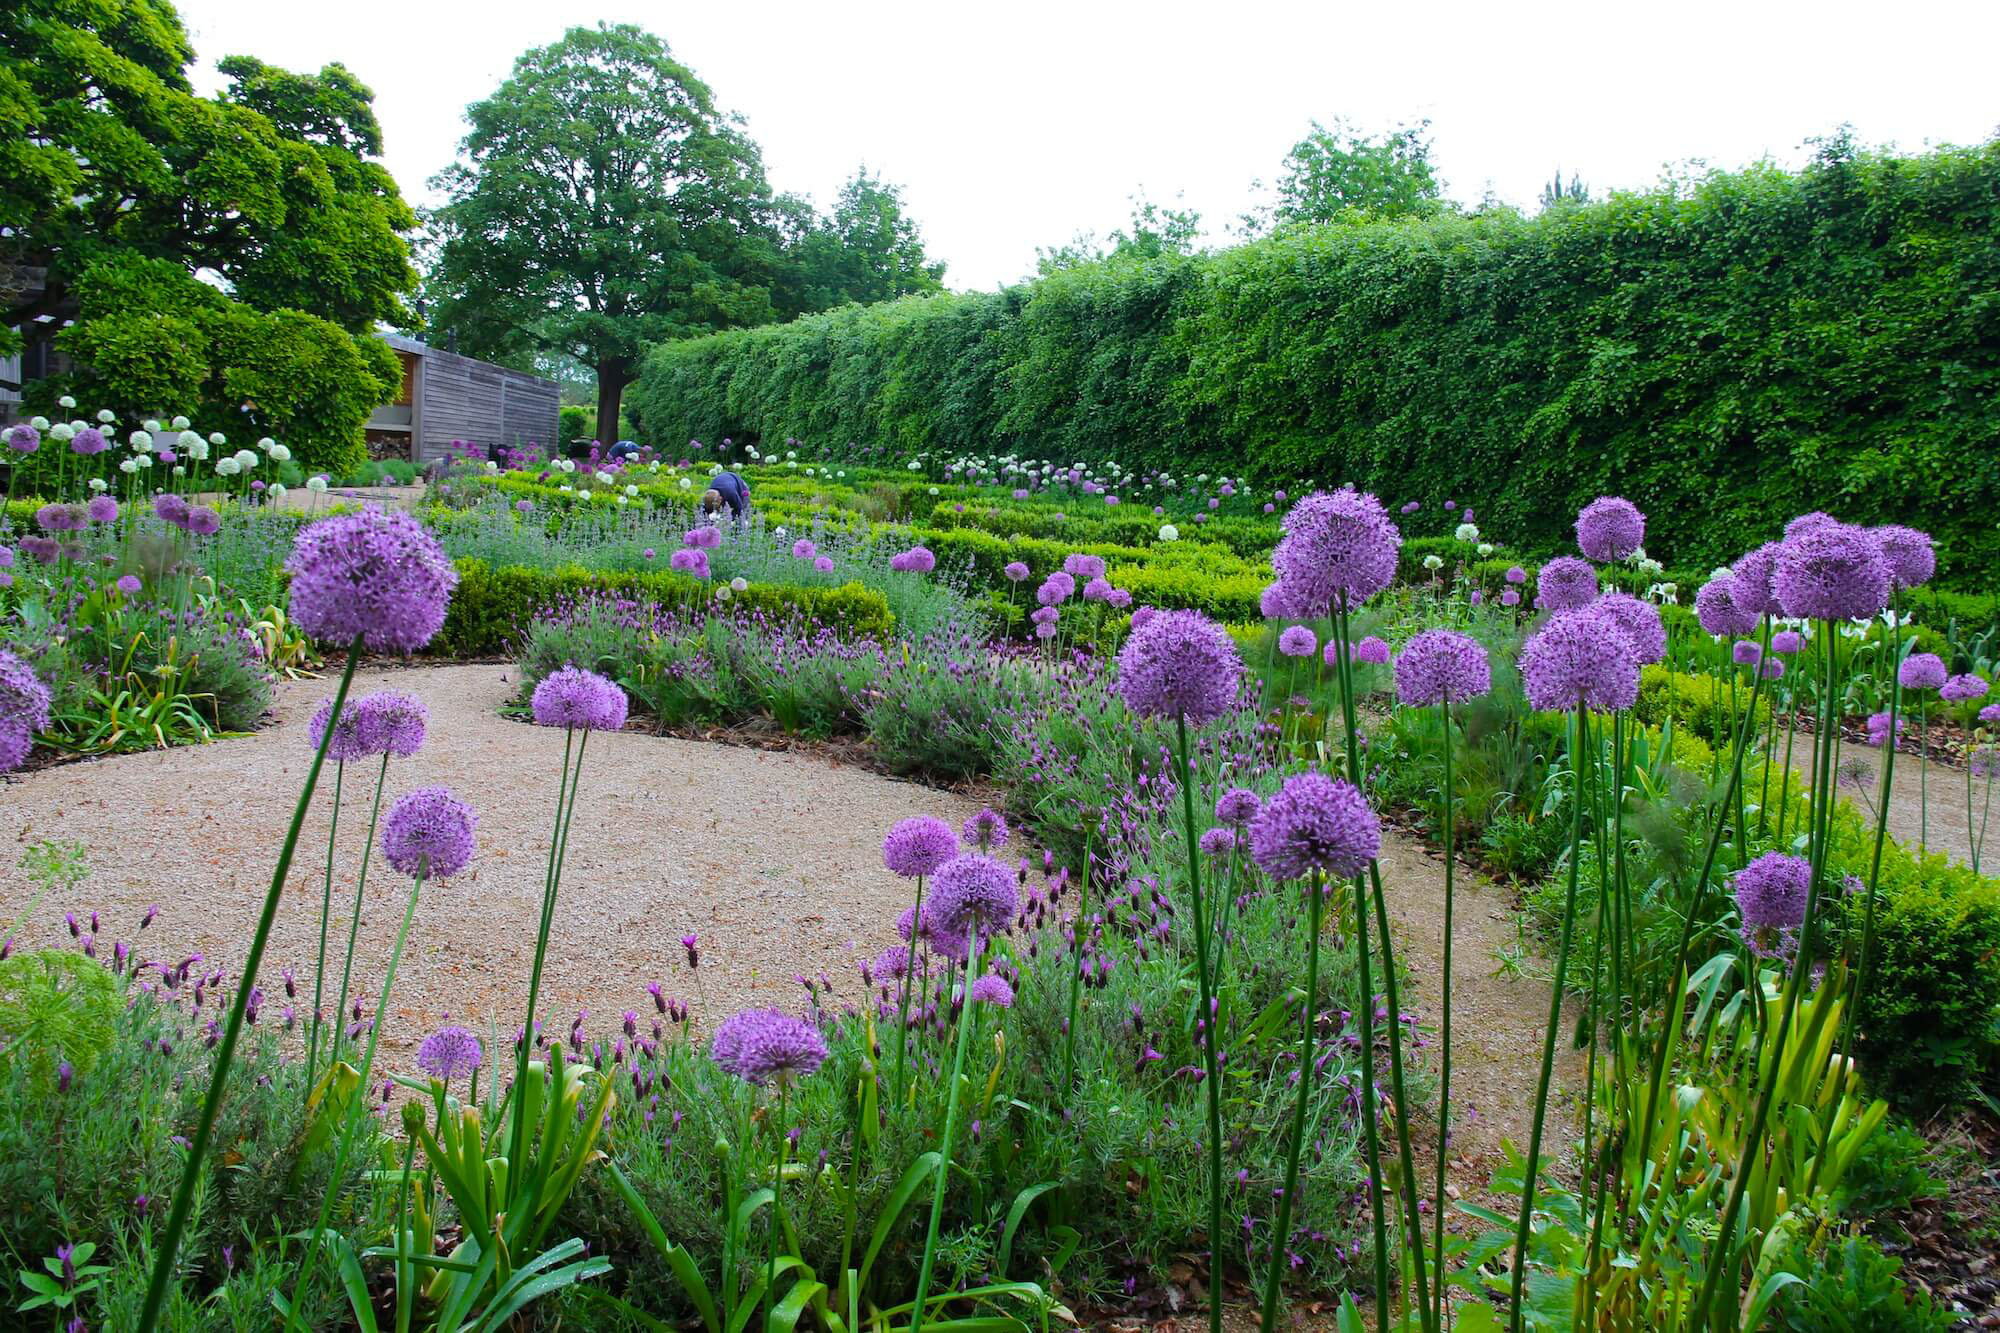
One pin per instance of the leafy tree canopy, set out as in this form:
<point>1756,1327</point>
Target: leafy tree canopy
<point>866,250</point>
<point>1155,231</point>
<point>1337,173</point>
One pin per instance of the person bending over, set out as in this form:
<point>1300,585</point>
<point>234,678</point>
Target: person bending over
<point>726,488</point>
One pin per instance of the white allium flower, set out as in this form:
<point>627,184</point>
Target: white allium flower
<point>143,460</point>
<point>180,470</point>
<point>1485,548</point>
<point>104,415</point>
<point>151,425</point>
<point>140,440</point>
<point>186,440</point>
<point>127,466</point>
<point>277,491</point>
<point>317,485</point>
<point>280,454</point>
<point>198,451</point>
<point>686,485</point>
<point>792,454</point>
<point>722,593</point>
<point>934,490</point>
<point>181,423</point>
<point>790,463</point>
<point>632,491</point>
<point>245,460</point>
<point>915,466</point>
<point>1468,532</point>
<point>622,500</point>
<point>99,484</point>
<point>1433,562</point>
<point>1169,533</point>
<point>740,584</point>
<point>1722,572</point>
<point>62,430</point>
<point>40,423</point>
<point>604,478</point>
<point>227,467</point>
<point>566,488</point>
<point>68,403</point>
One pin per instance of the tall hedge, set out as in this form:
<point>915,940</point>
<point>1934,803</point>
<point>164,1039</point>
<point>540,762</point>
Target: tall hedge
<point>1726,355</point>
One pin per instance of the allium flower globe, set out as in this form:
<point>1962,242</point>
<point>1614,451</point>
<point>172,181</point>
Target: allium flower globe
<point>1640,620</point>
<point>1372,650</point>
<point>1298,641</point>
<point>1314,822</point>
<point>1565,584</point>
<point>1756,580</point>
<point>1218,843</point>
<point>1340,544</point>
<point>1237,805</point>
<point>1911,555</point>
<point>1771,897</point>
<point>392,723</point>
<point>1580,659</point>
<point>1831,571</point>
<point>1962,689</point>
<point>429,832</point>
<point>1442,666</point>
<point>573,697</point>
<point>373,576</point>
<point>349,741</point>
<point>1922,671</point>
<point>25,704</point>
<point>985,830</point>
<point>449,1053</point>
<point>971,890</point>
<point>761,1046</point>
<point>1016,572</point>
<point>994,990</point>
<point>918,846</point>
<point>1179,664</point>
<point>1610,529</point>
<point>1717,611</point>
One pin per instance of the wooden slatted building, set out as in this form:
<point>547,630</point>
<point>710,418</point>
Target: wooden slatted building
<point>447,397</point>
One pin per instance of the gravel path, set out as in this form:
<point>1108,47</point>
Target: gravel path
<point>773,859</point>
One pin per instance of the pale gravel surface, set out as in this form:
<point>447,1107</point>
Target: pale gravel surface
<point>774,859</point>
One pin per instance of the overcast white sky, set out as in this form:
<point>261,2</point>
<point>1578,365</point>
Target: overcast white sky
<point>1014,125</point>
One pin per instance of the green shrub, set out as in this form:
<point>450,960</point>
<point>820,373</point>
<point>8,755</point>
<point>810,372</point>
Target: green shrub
<point>1729,353</point>
<point>1700,703</point>
<point>493,606</point>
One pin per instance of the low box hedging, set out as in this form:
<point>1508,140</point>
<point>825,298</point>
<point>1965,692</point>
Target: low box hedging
<point>494,603</point>
<point>1701,703</point>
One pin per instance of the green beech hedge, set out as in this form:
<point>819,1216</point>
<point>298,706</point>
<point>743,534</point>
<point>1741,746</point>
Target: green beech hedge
<point>492,605</point>
<point>1725,355</point>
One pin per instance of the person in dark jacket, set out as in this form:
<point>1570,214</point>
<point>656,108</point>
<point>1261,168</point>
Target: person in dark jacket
<point>726,488</point>
<point>622,451</point>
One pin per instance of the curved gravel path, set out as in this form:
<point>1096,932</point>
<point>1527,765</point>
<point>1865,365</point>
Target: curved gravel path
<point>773,859</point>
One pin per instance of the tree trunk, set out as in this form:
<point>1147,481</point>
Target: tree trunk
<point>613,374</point>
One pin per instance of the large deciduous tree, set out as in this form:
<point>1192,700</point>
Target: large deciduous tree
<point>1335,173</point>
<point>603,203</point>
<point>120,190</point>
<point>867,249</point>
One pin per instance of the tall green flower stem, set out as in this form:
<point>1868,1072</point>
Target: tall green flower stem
<point>1444,1032</point>
<point>356,1109</point>
<point>354,917</point>
<point>778,1197</point>
<point>1315,897</point>
<point>1075,970</point>
<point>1825,742</point>
<point>948,1142</point>
<point>909,985</point>
<point>1579,732</point>
<point>1208,1026</point>
<point>1668,1036</point>
<point>197,1153</point>
<point>325,910</point>
<point>566,787</point>
<point>1923,772</point>
<point>1365,1010</point>
<point>1407,1158</point>
<point>1618,902</point>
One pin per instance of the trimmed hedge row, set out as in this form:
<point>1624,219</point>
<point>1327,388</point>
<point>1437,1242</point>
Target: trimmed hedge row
<point>492,605</point>
<point>1726,356</point>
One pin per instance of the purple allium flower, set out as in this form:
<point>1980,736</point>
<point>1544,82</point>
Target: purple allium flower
<point>1314,822</point>
<point>205,522</point>
<point>350,742</point>
<point>1341,544</point>
<point>803,549</point>
<point>573,697</point>
<point>374,576</point>
<point>1610,529</point>
<point>129,584</point>
<point>918,846</point>
<point>1771,897</point>
<point>1806,523</point>
<point>1878,728</point>
<point>1098,590</point>
<point>1179,664</point>
<point>1962,689</point>
<point>1716,608</point>
<point>392,722</point>
<point>1773,669</point>
<point>1990,714</point>
<point>1082,566</point>
<point>1831,571</point>
<point>448,1053</point>
<point>1045,615</point>
<point>1298,641</point>
<point>993,989</point>
<point>170,508</point>
<point>1237,805</point>
<point>61,518</point>
<point>429,832</point>
<point>1510,597</point>
<point>916,560</point>
<point>89,440</point>
<point>1746,652</point>
<point>971,890</point>
<point>1440,666</point>
<point>1921,671</point>
<point>1413,506</point>
<point>648,553</point>
<point>1218,843</point>
<point>986,830</point>
<point>1787,641</point>
<point>1015,572</point>
<point>1565,584</point>
<point>524,506</point>
<point>1912,557</point>
<point>1372,649</point>
<point>1280,601</point>
<point>707,537</point>
<point>824,564</point>
<point>64,1073</point>
<point>759,1045</point>
<point>690,560</point>
<point>102,509</point>
<point>24,439</point>
<point>892,964</point>
<point>1516,575</point>
<point>1640,620</point>
<point>1580,658</point>
<point>41,549</point>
